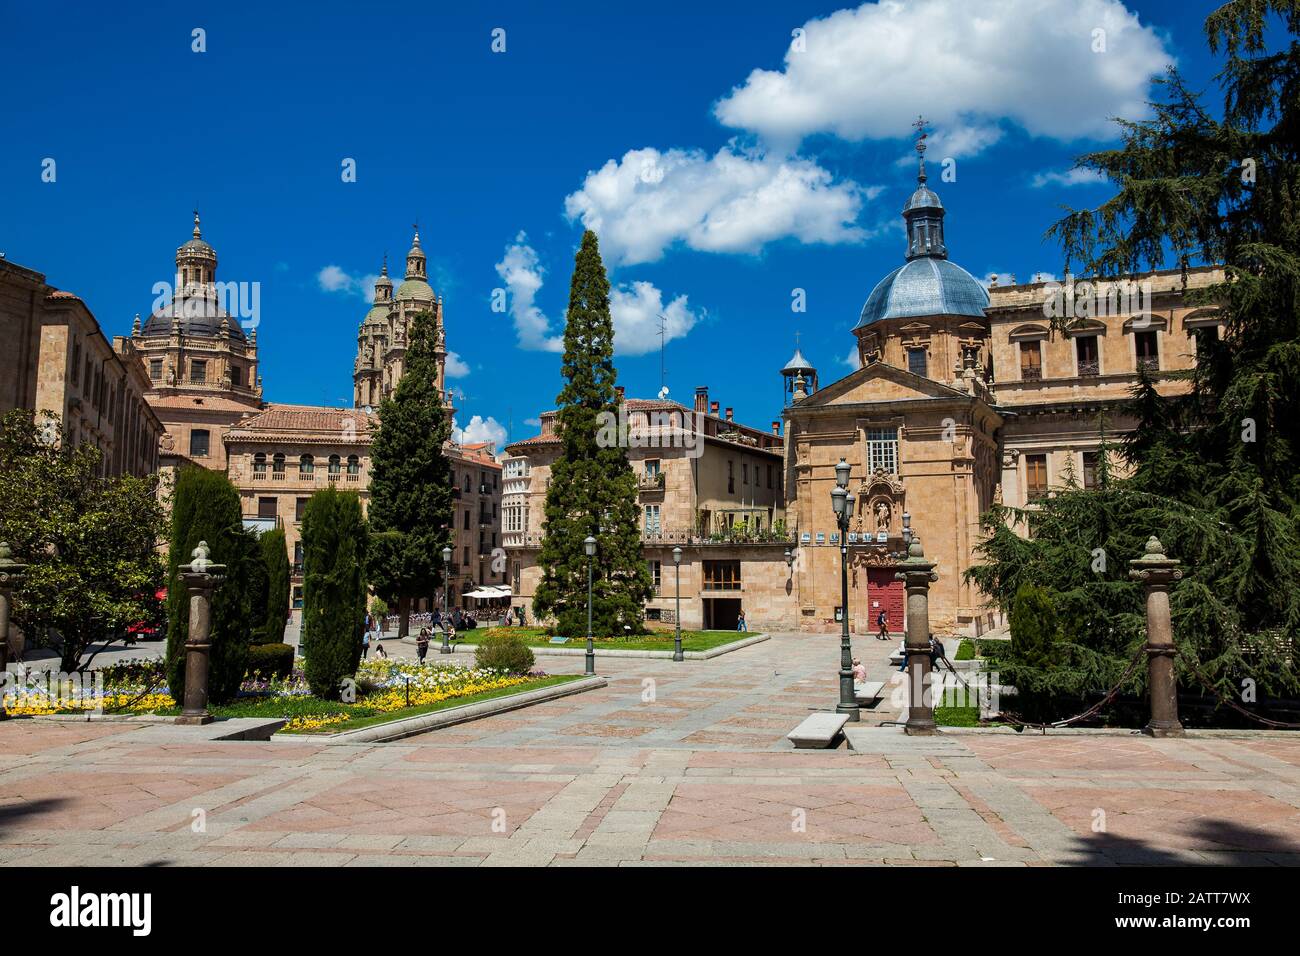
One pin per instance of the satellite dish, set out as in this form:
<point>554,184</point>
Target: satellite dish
<point>663,393</point>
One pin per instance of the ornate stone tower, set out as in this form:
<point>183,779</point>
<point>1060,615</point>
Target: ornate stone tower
<point>382,338</point>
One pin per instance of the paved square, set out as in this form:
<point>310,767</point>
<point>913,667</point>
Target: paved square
<point>671,763</point>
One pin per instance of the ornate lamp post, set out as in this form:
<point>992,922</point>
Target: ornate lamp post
<point>677,641</point>
<point>201,578</point>
<point>446,586</point>
<point>1158,572</point>
<point>842,503</point>
<point>12,574</point>
<point>589,545</point>
<point>917,574</point>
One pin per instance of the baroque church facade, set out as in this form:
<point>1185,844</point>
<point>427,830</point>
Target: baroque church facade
<point>966,396</point>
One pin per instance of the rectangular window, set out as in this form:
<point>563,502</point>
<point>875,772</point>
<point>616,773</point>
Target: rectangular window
<point>155,369</point>
<point>1031,361</point>
<point>1146,344</point>
<point>297,557</point>
<point>236,375</point>
<point>916,361</point>
<point>300,508</point>
<point>652,519</point>
<point>198,372</point>
<point>656,571</point>
<point>722,575</point>
<point>464,560</point>
<point>731,477</point>
<point>1085,350</point>
<point>466,520</point>
<point>769,476</point>
<point>1090,469</point>
<point>652,467</point>
<point>268,507</point>
<point>882,450</point>
<point>1035,476</point>
<point>297,596</point>
<point>199,443</point>
<point>744,473</point>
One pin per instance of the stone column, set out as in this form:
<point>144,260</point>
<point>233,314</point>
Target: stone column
<point>11,575</point>
<point>1158,572</point>
<point>201,578</point>
<point>917,573</point>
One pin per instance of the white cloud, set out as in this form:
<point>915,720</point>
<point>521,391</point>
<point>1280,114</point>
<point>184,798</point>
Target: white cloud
<point>1002,278</point>
<point>535,422</point>
<point>853,360</point>
<point>522,273</point>
<point>866,73</point>
<point>1071,177</point>
<point>334,279</point>
<point>456,366</point>
<point>480,429</point>
<point>636,309</point>
<point>733,201</point>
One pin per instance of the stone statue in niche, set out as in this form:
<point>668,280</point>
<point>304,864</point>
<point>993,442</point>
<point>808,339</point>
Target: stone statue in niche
<point>882,516</point>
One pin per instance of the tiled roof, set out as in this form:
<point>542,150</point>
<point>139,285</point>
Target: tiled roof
<point>208,401</point>
<point>62,294</point>
<point>306,420</point>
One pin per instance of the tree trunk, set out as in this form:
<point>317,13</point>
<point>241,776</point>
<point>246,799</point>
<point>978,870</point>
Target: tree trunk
<point>403,616</point>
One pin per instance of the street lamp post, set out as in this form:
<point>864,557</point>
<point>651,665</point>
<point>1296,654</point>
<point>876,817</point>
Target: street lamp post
<point>842,503</point>
<point>589,545</point>
<point>677,641</point>
<point>446,586</point>
<point>11,575</point>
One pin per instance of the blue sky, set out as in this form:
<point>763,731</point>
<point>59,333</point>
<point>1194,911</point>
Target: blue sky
<point>717,190</point>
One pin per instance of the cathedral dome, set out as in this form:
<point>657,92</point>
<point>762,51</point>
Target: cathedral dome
<point>415,289</point>
<point>925,286</point>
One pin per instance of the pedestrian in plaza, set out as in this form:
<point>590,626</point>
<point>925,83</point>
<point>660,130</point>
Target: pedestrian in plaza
<point>859,671</point>
<point>379,651</point>
<point>882,624</point>
<point>422,644</point>
<point>740,621</point>
<point>365,643</point>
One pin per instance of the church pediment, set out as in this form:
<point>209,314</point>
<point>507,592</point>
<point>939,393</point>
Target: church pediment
<point>879,382</point>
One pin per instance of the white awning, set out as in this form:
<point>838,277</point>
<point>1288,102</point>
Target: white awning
<point>486,593</point>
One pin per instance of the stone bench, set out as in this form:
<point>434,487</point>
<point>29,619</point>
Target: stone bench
<point>818,731</point>
<point>868,690</point>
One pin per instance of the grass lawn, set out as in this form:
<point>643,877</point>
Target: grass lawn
<point>965,651</point>
<point>361,715</point>
<point>654,641</point>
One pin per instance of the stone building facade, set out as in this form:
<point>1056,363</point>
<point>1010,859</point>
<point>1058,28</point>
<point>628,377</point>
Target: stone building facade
<point>706,484</point>
<point>58,359</point>
<point>202,364</point>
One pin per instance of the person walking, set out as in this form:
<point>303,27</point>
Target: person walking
<point>740,621</point>
<point>882,625</point>
<point>422,644</point>
<point>365,642</point>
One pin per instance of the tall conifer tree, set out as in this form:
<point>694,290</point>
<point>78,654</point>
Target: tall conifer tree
<point>593,490</point>
<point>410,483</point>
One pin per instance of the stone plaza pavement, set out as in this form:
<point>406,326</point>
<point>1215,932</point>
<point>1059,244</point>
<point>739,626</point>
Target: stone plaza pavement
<point>669,764</point>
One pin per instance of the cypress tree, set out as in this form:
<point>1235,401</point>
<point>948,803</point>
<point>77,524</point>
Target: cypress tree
<point>205,507</point>
<point>410,484</point>
<point>334,536</point>
<point>593,490</point>
<point>275,559</point>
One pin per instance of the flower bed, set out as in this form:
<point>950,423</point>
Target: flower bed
<point>383,688</point>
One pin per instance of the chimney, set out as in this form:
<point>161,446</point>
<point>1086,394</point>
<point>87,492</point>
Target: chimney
<point>713,408</point>
<point>729,410</point>
<point>618,394</point>
<point>702,399</point>
<point>776,429</point>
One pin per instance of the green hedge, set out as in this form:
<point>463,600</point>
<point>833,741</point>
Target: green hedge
<point>269,660</point>
<point>504,652</point>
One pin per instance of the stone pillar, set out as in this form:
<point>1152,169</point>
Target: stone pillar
<point>201,578</point>
<point>11,575</point>
<point>1158,572</point>
<point>917,573</point>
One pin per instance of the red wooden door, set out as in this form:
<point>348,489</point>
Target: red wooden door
<point>885,591</point>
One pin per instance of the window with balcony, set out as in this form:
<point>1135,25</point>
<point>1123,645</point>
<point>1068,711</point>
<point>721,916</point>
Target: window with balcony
<point>722,575</point>
<point>1035,477</point>
<point>198,371</point>
<point>882,450</point>
<point>259,465</point>
<point>277,465</point>
<point>1147,346</point>
<point>1031,361</point>
<point>1086,354</point>
<point>306,466</point>
<point>916,361</point>
<point>334,468</point>
<point>200,442</point>
<point>354,467</point>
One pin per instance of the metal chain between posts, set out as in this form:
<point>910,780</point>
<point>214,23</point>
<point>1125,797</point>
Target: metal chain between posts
<point>1224,699</point>
<point>1058,724</point>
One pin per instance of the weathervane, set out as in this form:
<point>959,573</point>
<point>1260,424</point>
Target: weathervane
<point>921,134</point>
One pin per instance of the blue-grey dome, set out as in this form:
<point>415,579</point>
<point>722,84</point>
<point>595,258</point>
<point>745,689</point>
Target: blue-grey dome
<point>925,286</point>
<point>923,198</point>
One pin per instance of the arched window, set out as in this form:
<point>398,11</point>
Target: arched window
<point>259,464</point>
<point>354,465</point>
<point>306,465</point>
<point>277,465</point>
<point>335,465</point>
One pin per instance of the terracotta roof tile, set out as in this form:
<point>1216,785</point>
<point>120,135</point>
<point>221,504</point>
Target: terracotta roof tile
<point>310,419</point>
